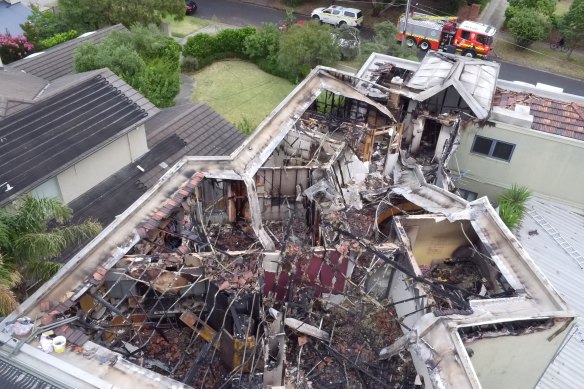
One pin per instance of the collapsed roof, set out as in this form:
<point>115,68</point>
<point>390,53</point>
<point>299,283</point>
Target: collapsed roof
<point>312,256</point>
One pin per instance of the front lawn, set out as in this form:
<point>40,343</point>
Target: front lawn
<point>239,90</point>
<point>185,27</point>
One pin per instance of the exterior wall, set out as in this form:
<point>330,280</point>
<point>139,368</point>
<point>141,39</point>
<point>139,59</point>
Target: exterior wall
<point>49,189</point>
<point>549,165</point>
<point>516,362</point>
<point>98,166</point>
<point>433,240</point>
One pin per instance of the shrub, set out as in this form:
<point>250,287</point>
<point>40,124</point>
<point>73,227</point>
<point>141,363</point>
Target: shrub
<point>246,126</point>
<point>122,60</point>
<point>189,64</point>
<point>232,40</point>
<point>265,43</point>
<point>57,38</point>
<point>14,47</point>
<point>158,84</point>
<point>200,46</point>
<point>144,58</point>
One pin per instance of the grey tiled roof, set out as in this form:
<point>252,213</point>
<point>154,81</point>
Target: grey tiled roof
<point>18,90</point>
<point>12,377</point>
<point>58,60</point>
<point>204,130</point>
<point>187,130</point>
<point>64,127</point>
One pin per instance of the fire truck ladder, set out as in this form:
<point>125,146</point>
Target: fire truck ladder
<point>576,256</point>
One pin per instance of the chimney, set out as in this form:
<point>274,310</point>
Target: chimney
<point>520,116</point>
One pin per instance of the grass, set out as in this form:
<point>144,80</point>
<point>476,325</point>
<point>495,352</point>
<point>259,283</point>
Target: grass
<point>539,56</point>
<point>240,91</point>
<point>563,6</point>
<point>185,27</point>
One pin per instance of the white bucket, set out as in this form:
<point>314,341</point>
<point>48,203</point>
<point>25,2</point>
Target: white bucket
<point>59,344</point>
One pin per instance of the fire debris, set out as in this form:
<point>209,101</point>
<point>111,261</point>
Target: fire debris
<point>281,277</point>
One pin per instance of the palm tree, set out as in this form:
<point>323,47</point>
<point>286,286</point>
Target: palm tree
<point>512,206</point>
<point>33,231</point>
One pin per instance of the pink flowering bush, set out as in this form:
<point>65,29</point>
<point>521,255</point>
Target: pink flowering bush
<point>14,47</point>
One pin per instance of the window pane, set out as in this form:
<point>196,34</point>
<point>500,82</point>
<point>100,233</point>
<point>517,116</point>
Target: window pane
<point>465,35</point>
<point>503,151</point>
<point>482,39</point>
<point>482,145</point>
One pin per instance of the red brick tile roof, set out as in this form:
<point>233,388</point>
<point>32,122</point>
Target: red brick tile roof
<point>171,204</point>
<point>551,116</point>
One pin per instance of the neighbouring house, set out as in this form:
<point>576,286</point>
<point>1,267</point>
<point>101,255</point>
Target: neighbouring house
<point>327,249</point>
<point>60,138</point>
<point>126,146</point>
<point>552,235</point>
<point>534,137</point>
<point>12,14</point>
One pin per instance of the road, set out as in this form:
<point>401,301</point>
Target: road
<point>241,14</point>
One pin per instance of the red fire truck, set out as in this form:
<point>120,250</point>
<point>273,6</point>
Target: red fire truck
<point>470,39</point>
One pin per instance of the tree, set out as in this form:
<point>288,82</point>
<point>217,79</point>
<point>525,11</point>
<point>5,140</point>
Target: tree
<point>143,57</point>
<point>86,15</point>
<point>544,7</point>
<point>528,26</point>
<point>123,60</point>
<point>32,232</point>
<point>572,26</point>
<point>304,47</point>
<point>41,25</point>
<point>384,42</point>
<point>349,41</point>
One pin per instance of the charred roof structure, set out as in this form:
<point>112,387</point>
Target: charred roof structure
<point>327,251</point>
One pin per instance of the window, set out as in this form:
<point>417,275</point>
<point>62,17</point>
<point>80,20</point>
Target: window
<point>468,195</point>
<point>492,148</point>
<point>336,12</point>
<point>483,39</point>
<point>349,14</point>
<point>465,34</point>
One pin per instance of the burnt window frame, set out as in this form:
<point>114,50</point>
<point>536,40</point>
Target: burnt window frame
<point>494,143</point>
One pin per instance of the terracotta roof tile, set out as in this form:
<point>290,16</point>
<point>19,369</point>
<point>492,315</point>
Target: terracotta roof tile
<point>550,116</point>
<point>170,205</point>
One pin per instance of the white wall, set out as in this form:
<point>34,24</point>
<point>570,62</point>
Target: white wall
<point>547,164</point>
<point>98,166</point>
<point>515,362</point>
